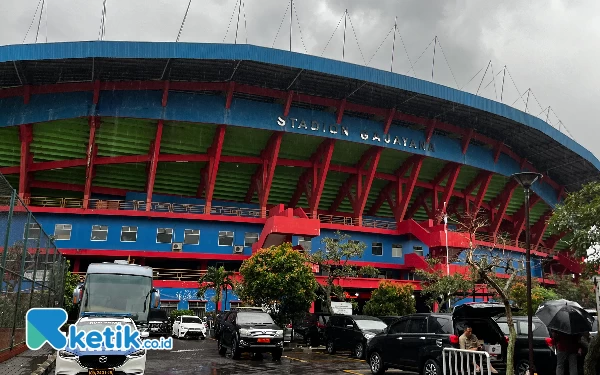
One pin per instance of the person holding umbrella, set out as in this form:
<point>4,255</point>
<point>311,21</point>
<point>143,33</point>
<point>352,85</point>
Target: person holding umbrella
<point>568,322</point>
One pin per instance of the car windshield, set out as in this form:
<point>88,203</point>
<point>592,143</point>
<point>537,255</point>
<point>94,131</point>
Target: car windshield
<point>254,318</point>
<point>371,324</point>
<point>114,293</point>
<point>191,319</point>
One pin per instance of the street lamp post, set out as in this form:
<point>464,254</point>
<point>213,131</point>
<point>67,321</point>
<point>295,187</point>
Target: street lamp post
<point>526,179</point>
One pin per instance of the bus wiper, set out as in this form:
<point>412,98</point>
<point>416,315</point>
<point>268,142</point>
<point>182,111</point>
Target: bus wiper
<point>87,299</point>
<point>146,299</point>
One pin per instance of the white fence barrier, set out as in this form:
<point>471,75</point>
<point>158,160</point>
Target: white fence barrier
<point>463,362</point>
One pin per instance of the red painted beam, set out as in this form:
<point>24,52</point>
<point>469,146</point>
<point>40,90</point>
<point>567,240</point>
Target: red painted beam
<point>466,140</point>
<point>209,173</point>
<point>264,174</point>
<point>165,96</point>
<point>553,240</point>
<point>503,199</point>
<point>388,120</point>
<point>26,137</point>
<point>92,152</point>
<point>340,111</point>
<point>154,155</point>
<point>230,91</point>
<point>429,130</point>
<point>519,217</point>
<point>288,103</point>
<point>402,204</point>
<point>538,229</point>
<point>449,188</point>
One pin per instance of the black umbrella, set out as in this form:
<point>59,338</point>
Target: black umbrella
<point>565,318</point>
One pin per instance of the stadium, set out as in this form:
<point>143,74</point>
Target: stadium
<point>182,156</point>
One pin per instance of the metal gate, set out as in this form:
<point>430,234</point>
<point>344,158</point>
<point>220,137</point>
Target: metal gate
<point>460,361</point>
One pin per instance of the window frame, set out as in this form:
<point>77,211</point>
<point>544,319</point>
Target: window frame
<point>98,230</point>
<point>232,238</point>
<point>373,248</point>
<point>246,236</point>
<point>302,239</point>
<point>129,231</point>
<point>396,246</point>
<point>185,234</point>
<point>165,229</point>
<point>36,227</point>
<point>63,225</point>
<point>421,250</point>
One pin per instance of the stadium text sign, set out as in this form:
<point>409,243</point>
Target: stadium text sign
<point>315,126</point>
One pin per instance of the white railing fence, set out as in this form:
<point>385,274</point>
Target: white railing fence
<point>459,362</point>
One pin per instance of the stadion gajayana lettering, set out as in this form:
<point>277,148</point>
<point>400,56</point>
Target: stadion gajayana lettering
<point>315,126</point>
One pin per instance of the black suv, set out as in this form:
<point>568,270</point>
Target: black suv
<point>416,342</point>
<point>312,328</point>
<point>249,331</point>
<point>543,351</point>
<point>351,332</point>
<point>158,322</point>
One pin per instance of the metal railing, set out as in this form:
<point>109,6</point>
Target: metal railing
<point>460,361</point>
<point>32,270</point>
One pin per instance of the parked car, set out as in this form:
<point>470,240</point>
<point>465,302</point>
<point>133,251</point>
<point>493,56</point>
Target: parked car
<point>250,331</point>
<point>351,332</point>
<point>415,342</point>
<point>389,320</point>
<point>544,356</point>
<point>158,322</point>
<point>312,328</point>
<point>130,361</point>
<point>189,326</point>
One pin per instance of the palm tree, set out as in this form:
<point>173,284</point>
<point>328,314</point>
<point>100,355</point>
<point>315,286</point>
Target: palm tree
<point>219,280</point>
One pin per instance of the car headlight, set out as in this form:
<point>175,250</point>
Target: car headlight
<point>244,332</point>
<point>278,333</point>
<point>137,353</point>
<point>66,355</point>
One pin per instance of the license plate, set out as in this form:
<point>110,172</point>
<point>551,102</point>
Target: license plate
<point>264,341</point>
<point>101,371</point>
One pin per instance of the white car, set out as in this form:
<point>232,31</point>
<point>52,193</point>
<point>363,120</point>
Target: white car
<point>74,362</point>
<point>186,326</point>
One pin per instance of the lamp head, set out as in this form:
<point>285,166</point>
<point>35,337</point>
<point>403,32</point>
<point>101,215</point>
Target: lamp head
<point>526,179</point>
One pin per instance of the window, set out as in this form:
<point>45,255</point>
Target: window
<point>377,248</point>
<point>234,305</point>
<point>306,243</point>
<point>164,235</point>
<point>62,231</point>
<point>191,236</point>
<point>169,306</point>
<point>399,327</point>
<point>34,231</point>
<point>225,238</point>
<point>249,239</point>
<point>129,234</point>
<point>417,326</point>
<point>99,232</point>
<point>198,307</point>
<point>439,325</point>
<point>418,250</point>
<point>396,250</point>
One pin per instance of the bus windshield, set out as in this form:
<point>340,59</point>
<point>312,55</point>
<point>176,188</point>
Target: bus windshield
<point>114,293</point>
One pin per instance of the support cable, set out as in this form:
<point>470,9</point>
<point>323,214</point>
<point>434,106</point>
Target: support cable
<point>447,63</point>
<point>513,81</point>
<point>245,23</point>
<point>230,19</point>
<point>102,31</point>
<point>472,78</point>
<point>482,78</point>
<point>416,61</point>
<point>183,21</point>
<point>331,37</point>
<point>300,29</point>
<point>40,21</point>
<point>238,21</point>
<point>407,55</point>
<point>32,20</point>
<point>380,44</point>
<point>281,24</point>
<point>356,38</point>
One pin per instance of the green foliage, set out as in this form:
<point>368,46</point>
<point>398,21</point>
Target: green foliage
<point>333,262</point>
<point>281,279</point>
<point>539,295</point>
<point>71,282</point>
<point>217,279</point>
<point>391,299</point>
<point>177,313</point>
<point>442,288</point>
<point>581,292</point>
<point>580,215</point>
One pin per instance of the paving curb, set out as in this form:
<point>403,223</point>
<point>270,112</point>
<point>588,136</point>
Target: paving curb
<point>46,367</point>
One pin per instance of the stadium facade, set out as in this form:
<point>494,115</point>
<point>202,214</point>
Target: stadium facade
<point>182,156</point>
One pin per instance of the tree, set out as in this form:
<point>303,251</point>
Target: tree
<point>71,281</point>
<point>217,279</point>
<point>441,288</point>
<point>539,295</point>
<point>391,299</point>
<point>280,279</point>
<point>483,262</point>
<point>579,215</point>
<point>333,261</point>
<point>581,291</point>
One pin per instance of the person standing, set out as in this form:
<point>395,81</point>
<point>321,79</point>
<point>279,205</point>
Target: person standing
<point>567,347</point>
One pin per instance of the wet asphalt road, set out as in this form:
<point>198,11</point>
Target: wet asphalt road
<point>201,357</point>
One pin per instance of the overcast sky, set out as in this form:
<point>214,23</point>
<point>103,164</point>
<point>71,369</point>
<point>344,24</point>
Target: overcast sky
<point>550,46</point>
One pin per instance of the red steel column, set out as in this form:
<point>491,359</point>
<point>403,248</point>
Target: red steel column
<point>263,177</point>
<point>92,152</point>
<point>208,176</point>
<point>26,137</point>
<point>153,164</point>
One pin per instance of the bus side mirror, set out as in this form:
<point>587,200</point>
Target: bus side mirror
<point>155,298</point>
<point>77,294</point>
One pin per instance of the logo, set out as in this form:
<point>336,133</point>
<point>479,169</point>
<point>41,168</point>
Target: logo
<point>103,359</point>
<point>43,325</point>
